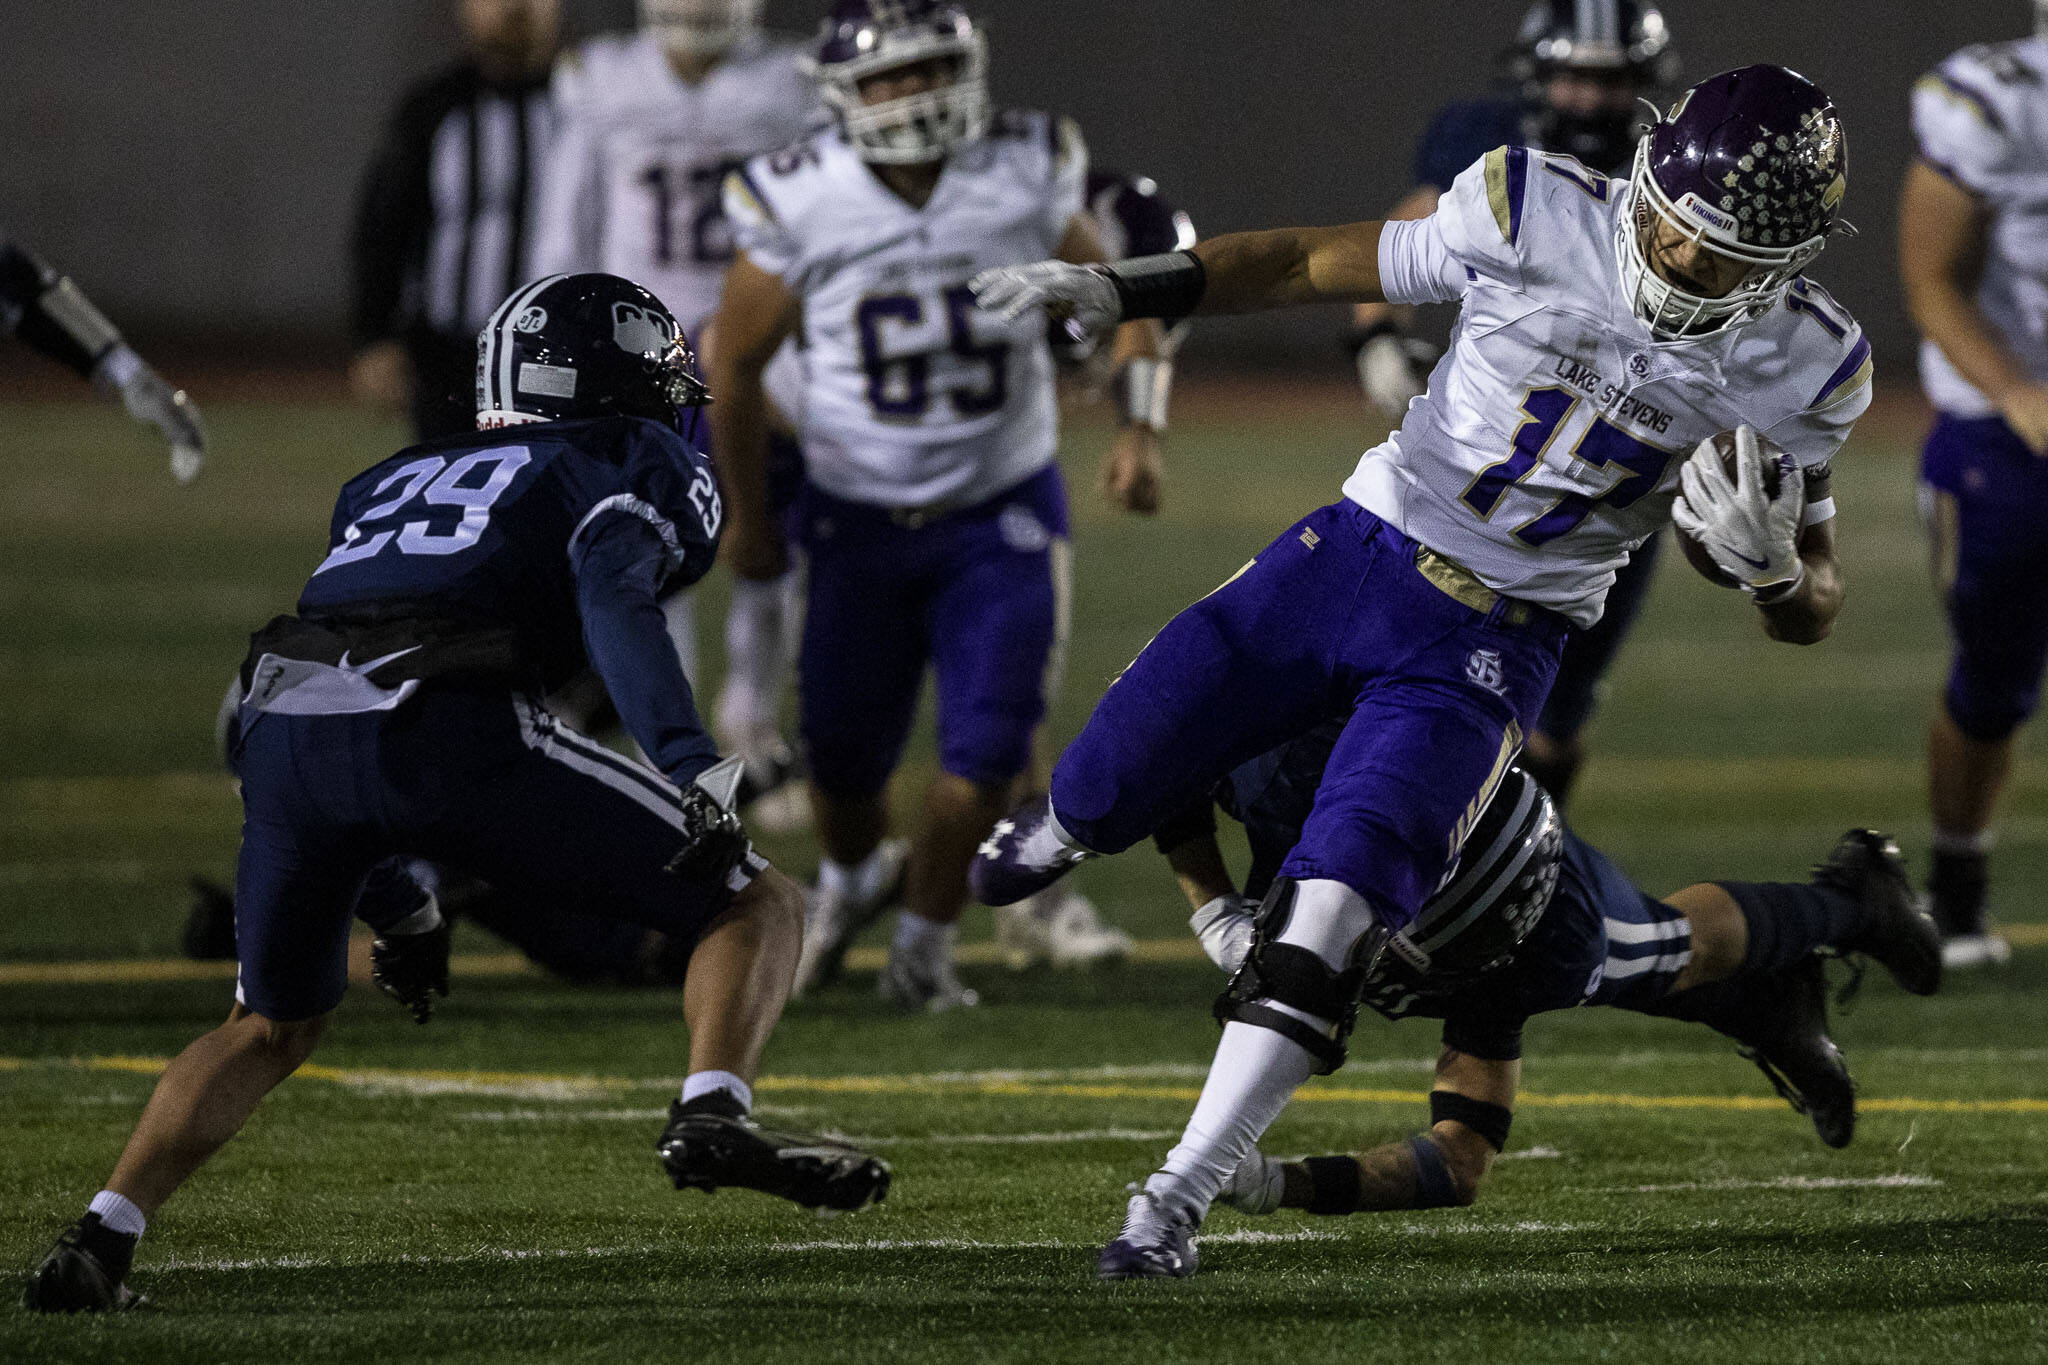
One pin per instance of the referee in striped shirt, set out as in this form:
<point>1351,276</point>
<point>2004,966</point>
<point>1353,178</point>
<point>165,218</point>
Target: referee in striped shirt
<point>441,231</point>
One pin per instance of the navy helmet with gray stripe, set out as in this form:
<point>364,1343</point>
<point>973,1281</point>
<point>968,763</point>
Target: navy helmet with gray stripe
<point>590,345</point>
<point>1491,898</point>
<point>1624,45</point>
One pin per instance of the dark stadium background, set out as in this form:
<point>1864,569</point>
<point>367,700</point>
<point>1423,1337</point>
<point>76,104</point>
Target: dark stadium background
<point>194,163</point>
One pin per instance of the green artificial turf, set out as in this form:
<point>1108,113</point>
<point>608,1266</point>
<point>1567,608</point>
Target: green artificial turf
<point>484,1188</point>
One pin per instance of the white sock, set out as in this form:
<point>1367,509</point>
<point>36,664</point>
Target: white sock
<point>756,660</point>
<point>917,936</point>
<point>1255,1074</point>
<point>1256,1070</point>
<point>117,1213</point>
<point>704,1082</point>
<point>420,921</point>
<point>1979,842</point>
<point>859,881</point>
<point>1049,843</point>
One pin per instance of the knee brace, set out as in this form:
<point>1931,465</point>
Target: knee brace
<point>1289,964</point>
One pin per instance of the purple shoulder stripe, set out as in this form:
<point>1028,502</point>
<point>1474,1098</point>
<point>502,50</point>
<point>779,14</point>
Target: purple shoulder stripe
<point>1972,97</point>
<point>1518,181</point>
<point>1858,357</point>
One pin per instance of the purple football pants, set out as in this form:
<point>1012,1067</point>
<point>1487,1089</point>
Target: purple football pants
<point>1332,619</point>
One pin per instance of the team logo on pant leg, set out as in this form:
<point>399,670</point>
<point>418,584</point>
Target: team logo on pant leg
<point>1482,666</point>
<point>1021,529</point>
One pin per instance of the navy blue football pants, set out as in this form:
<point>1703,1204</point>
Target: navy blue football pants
<point>483,781</point>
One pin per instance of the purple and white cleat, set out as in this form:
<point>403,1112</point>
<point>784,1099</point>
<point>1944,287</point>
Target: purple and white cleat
<point>1157,1242</point>
<point>1022,856</point>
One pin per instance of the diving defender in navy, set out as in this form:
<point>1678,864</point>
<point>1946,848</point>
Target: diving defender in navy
<point>1533,919</point>
<point>400,712</point>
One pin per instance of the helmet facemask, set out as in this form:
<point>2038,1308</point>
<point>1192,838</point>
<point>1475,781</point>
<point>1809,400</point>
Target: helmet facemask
<point>701,28</point>
<point>1675,314</point>
<point>919,128</point>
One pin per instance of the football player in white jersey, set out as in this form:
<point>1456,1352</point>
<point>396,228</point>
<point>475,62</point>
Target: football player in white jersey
<point>1608,327</point>
<point>1973,253</point>
<point>651,122</point>
<point>932,517</point>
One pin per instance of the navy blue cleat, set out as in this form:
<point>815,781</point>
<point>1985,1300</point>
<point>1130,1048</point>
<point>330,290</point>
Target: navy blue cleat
<point>1157,1242</point>
<point>1021,856</point>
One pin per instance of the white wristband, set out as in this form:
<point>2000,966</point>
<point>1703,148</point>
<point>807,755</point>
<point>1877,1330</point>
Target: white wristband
<point>1145,384</point>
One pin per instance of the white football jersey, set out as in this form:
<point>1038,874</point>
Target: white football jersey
<point>1549,442</point>
<point>913,395</point>
<point>1981,119</point>
<point>633,185</point>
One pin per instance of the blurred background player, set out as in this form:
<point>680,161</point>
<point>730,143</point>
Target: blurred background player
<point>46,312</point>
<point>397,712</point>
<point>444,218</point>
<point>1973,254</point>
<point>1579,68</point>
<point>1534,919</point>
<point>933,517</point>
<point>651,122</point>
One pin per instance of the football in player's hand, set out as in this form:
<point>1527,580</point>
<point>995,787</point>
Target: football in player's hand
<point>1696,553</point>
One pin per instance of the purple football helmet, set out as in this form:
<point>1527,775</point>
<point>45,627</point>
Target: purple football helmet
<point>864,38</point>
<point>1752,164</point>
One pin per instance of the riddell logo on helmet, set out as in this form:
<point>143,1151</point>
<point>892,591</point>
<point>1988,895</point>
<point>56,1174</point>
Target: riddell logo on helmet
<point>1712,217</point>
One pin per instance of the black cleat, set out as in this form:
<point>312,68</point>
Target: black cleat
<point>1781,1021</point>
<point>1866,866</point>
<point>83,1272</point>
<point>413,968</point>
<point>711,1143</point>
<point>210,926</point>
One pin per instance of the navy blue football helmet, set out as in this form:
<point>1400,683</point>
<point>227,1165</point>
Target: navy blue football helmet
<point>1490,900</point>
<point>585,346</point>
<point>1625,42</point>
<point>1752,163</point>
<point>865,38</point>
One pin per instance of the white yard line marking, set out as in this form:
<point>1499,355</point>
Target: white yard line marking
<point>1786,1182</point>
<point>1531,1154</point>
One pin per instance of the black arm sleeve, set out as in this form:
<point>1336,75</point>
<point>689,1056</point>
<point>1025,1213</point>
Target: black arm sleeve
<point>393,212</point>
<point>48,313</point>
<point>1194,820</point>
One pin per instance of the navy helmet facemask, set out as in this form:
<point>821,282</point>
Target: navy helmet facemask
<point>1625,43</point>
<point>590,345</point>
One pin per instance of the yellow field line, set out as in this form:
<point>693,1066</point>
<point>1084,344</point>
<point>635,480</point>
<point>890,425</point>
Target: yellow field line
<point>121,971</point>
<point>1001,1087</point>
<point>128,971</point>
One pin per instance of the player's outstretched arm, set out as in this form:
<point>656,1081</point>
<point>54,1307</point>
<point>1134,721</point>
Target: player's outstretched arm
<point>1244,272</point>
<point>1470,1106</point>
<point>756,314</point>
<point>49,313</point>
<point>1943,229</point>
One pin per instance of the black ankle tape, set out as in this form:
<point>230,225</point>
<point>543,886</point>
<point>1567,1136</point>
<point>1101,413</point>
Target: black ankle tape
<point>1335,1185</point>
<point>1433,1188</point>
<point>1490,1121</point>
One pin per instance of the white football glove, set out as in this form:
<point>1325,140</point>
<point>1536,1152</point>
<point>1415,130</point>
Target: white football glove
<point>1080,292</point>
<point>149,399</point>
<point>1753,537</point>
<point>1224,926</point>
<point>1394,370</point>
<point>1256,1185</point>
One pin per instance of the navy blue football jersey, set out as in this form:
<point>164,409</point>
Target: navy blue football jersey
<point>538,548</point>
<point>487,527</point>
